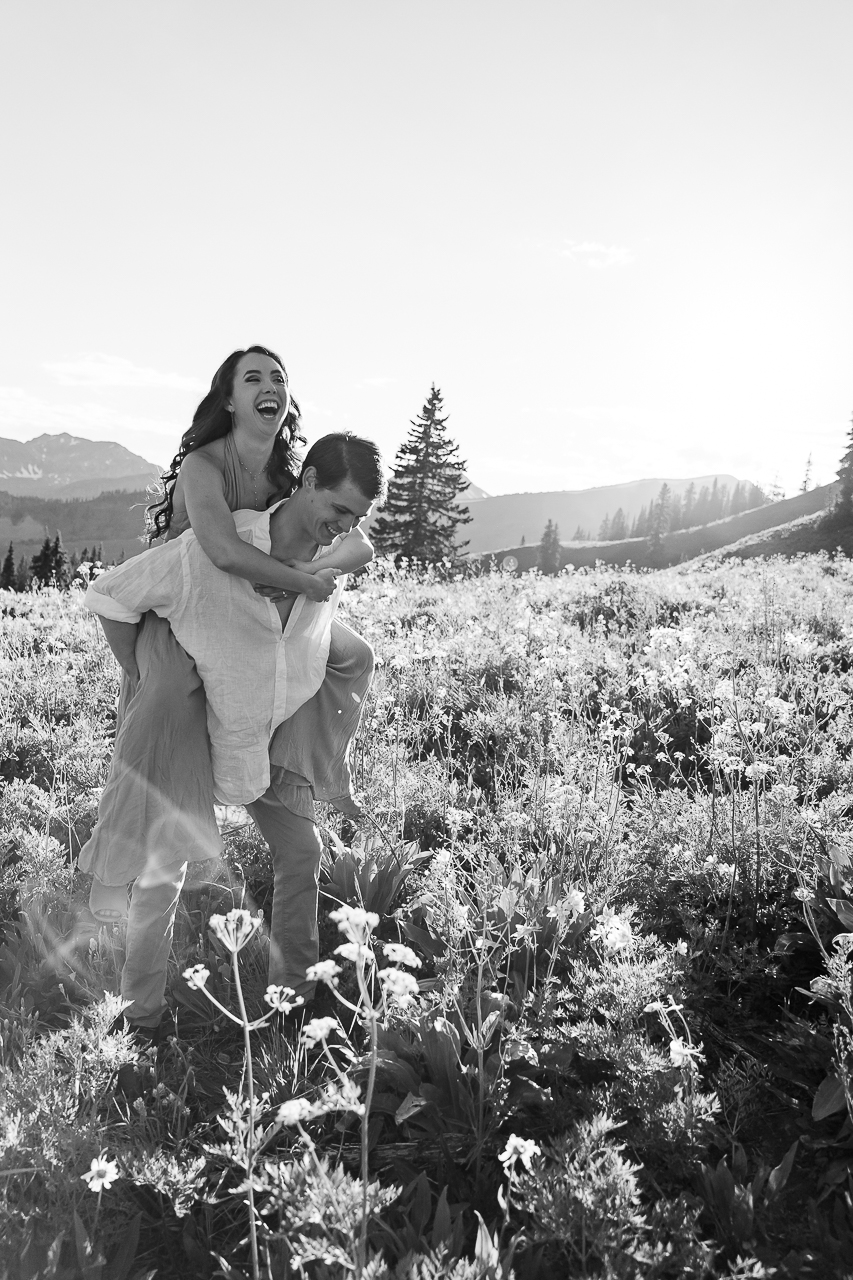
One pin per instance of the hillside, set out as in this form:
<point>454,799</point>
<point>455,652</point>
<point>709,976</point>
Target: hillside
<point>113,520</point>
<point>66,466</point>
<point>503,521</point>
<point>687,544</point>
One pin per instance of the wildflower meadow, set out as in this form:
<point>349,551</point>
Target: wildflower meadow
<point>586,1003</point>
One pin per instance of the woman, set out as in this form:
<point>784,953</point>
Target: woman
<point>157,805</point>
<point>222,621</point>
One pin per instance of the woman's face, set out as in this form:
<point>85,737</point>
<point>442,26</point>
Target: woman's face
<point>259,395</point>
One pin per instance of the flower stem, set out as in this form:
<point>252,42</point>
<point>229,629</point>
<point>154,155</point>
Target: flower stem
<point>250,1137</point>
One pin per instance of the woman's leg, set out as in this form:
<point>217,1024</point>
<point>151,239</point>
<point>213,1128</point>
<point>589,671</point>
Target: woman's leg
<point>150,926</point>
<point>157,806</point>
<point>315,742</point>
<point>296,847</point>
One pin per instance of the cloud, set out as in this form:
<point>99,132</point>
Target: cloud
<point>95,369</point>
<point>595,255</point>
<point>23,416</point>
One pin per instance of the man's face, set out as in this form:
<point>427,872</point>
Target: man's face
<point>334,511</point>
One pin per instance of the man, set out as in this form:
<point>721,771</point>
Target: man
<point>260,660</point>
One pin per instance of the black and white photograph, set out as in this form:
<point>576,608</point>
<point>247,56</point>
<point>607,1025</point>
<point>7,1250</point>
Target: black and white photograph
<point>426,640</point>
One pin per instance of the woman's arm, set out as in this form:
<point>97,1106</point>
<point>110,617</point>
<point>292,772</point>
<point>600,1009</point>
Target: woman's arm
<point>121,637</point>
<point>213,525</point>
<point>354,551</point>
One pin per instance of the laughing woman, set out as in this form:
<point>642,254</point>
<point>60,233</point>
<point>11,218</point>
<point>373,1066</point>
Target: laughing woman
<point>157,805</point>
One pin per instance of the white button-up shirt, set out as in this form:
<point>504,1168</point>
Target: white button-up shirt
<point>255,674</point>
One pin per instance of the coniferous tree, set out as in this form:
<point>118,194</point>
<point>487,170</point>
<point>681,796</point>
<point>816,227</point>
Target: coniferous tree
<point>660,517</point>
<point>841,513</point>
<point>7,573</point>
<point>59,563</point>
<point>23,575</point>
<point>618,526</point>
<point>604,529</point>
<point>548,557</point>
<point>807,478</point>
<point>421,517</point>
<point>41,566</point>
<point>687,506</point>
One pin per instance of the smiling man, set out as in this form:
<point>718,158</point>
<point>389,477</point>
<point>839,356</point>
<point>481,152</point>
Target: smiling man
<point>260,659</point>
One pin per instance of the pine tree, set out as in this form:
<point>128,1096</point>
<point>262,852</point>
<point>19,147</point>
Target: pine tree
<point>604,529</point>
<point>841,513</point>
<point>421,515</point>
<point>618,526</point>
<point>23,575</point>
<point>660,517</point>
<point>807,478</point>
<point>59,561</point>
<point>7,573</point>
<point>41,566</point>
<point>548,558</point>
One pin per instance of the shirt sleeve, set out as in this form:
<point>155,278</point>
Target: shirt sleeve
<point>152,580</point>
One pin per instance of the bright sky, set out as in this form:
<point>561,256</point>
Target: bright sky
<point>618,234</point>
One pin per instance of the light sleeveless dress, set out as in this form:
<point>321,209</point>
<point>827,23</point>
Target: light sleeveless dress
<point>157,806</point>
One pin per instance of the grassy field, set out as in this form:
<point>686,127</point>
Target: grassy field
<point>592,1015</point>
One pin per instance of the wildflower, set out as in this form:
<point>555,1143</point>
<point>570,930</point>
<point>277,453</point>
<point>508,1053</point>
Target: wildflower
<point>400,954</point>
<point>576,902</point>
<point>197,976</point>
<point>355,951</point>
<point>282,999</point>
<point>325,971</point>
<point>656,1006</point>
<point>235,928</point>
<point>680,1052</point>
<point>318,1029</point>
<point>681,947</point>
<point>355,922</point>
<point>804,895</point>
<point>613,931</point>
<point>399,984</point>
<point>102,1173</point>
<point>140,1109</point>
<point>523,1149</point>
<point>295,1111</point>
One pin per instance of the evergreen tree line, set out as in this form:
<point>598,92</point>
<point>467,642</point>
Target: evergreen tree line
<point>672,511</point>
<point>50,566</point>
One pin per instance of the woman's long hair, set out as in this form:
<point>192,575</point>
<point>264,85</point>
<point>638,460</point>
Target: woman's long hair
<point>212,421</point>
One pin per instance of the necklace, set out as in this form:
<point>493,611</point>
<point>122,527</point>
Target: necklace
<point>254,476</point>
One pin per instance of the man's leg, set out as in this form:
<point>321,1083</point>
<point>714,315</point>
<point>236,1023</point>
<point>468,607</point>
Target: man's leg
<point>296,847</point>
<point>150,926</point>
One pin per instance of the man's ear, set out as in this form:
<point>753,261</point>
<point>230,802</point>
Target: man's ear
<point>309,478</point>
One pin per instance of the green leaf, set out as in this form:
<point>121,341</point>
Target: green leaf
<point>844,910</point>
<point>829,1098</point>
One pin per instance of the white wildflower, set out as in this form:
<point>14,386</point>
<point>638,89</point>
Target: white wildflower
<point>325,971</point>
<point>318,1029</point>
<point>235,928</point>
<point>398,953</point>
<point>102,1173</point>
<point>283,999</point>
<point>197,976</point>
<point>399,984</point>
<point>523,1149</point>
<point>295,1111</point>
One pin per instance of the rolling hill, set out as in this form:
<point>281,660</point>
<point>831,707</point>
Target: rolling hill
<point>760,529</point>
<point>504,520</point>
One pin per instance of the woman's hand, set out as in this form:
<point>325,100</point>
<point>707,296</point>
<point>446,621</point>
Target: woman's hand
<point>322,584</point>
<point>320,587</point>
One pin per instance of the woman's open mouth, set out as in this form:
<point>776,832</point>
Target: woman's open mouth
<point>269,408</point>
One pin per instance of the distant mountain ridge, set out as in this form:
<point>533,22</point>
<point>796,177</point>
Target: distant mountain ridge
<point>503,520</point>
<point>66,466</point>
